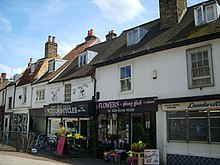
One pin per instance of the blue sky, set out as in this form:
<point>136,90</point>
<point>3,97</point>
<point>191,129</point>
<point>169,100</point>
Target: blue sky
<point>26,24</point>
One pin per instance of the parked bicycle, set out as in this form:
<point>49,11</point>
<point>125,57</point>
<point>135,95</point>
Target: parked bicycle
<point>43,143</point>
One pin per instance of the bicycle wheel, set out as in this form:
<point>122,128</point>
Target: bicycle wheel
<point>43,146</point>
<point>33,146</point>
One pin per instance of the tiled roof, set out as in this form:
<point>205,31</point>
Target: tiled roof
<point>28,77</point>
<point>73,71</point>
<point>70,57</point>
<point>157,39</point>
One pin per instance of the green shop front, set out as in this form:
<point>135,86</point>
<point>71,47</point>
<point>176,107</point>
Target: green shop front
<point>127,121</point>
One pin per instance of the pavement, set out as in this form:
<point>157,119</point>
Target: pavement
<point>21,158</point>
<point>9,156</point>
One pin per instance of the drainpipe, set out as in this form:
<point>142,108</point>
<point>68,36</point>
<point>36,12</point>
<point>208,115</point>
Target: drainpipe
<point>95,118</point>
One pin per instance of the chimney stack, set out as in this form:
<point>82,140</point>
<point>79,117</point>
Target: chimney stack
<point>111,35</point>
<point>171,12</point>
<point>30,62</point>
<point>3,75</point>
<point>51,47</point>
<point>90,35</point>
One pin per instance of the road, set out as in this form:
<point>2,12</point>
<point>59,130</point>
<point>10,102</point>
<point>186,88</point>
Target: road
<point>18,158</point>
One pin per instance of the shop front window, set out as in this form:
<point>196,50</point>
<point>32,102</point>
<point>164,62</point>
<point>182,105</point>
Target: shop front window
<point>215,126</point>
<point>120,130</point>
<point>194,126</point>
<point>177,126</point>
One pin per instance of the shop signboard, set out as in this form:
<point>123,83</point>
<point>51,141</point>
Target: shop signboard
<point>151,157</point>
<point>128,105</point>
<point>205,105</point>
<point>72,109</point>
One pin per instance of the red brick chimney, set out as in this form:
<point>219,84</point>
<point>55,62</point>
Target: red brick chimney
<point>90,35</point>
<point>4,76</point>
<point>110,35</point>
<point>171,12</point>
<point>30,62</point>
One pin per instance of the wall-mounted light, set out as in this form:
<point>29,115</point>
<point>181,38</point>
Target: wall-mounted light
<point>19,96</point>
<point>154,74</point>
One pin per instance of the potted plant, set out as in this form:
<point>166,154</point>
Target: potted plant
<point>138,147</point>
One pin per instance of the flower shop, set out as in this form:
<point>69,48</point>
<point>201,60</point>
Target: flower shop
<point>126,125</point>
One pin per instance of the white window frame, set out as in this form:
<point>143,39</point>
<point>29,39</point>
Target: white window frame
<point>213,6</point>
<point>189,53</point>
<point>51,66</point>
<point>24,94</point>
<point>40,95</point>
<point>196,15</point>
<point>125,79</point>
<point>83,59</point>
<point>131,36</point>
<point>67,92</point>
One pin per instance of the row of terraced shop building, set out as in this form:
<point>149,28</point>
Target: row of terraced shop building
<point>158,82</point>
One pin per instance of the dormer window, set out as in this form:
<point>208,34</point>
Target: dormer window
<point>51,66</point>
<point>206,13</point>
<point>82,59</point>
<point>33,67</point>
<point>86,57</point>
<point>134,36</point>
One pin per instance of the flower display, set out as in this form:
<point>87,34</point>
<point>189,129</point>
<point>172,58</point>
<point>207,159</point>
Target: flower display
<point>132,159</point>
<point>109,155</point>
<point>138,147</point>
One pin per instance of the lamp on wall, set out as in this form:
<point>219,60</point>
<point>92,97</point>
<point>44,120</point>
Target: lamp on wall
<point>19,96</point>
<point>154,74</point>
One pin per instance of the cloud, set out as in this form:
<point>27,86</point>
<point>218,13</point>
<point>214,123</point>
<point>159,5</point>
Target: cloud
<point>120,11</point>
<point>5,24</point>
<point>10,71</point>
<point>65,48</point>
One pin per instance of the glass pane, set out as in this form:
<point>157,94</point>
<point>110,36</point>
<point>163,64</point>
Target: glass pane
<point>215,134</point>
<point>193,57</point>
<point>177,133</point>
<point>177,122</point>
<point>199,15</point>
<point>198,130</point>
<point>177,114</point>
<point>198,134</point>
<point>122,71</point>
<point>210,13</point>
<point>128,71</point>
<point>215,122</point>
<point>197,114</point>
<point>126,85</point>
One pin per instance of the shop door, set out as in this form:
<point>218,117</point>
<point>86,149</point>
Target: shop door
<point>138,132</point>
<point>6,123</point>
<point>144,128</point>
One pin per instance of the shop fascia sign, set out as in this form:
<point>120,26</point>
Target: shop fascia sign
<point>129,105</point>
<point>209,104</point>
<point>68,109</point>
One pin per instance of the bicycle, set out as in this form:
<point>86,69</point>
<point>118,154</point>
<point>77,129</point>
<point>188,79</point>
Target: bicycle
<point>38,144</point>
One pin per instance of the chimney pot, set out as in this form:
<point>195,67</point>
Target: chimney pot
<point>110,35</point>
<point>49,38</point>
<point>53,39</point>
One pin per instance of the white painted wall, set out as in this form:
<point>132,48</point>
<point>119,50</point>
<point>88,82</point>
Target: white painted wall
<point>19,103</point>
<point>171,82</point>
<point>9,93</point>
<point>82,89</point>
<point>2,97</point>
<point>55,93</point>
<point>40,86</point>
